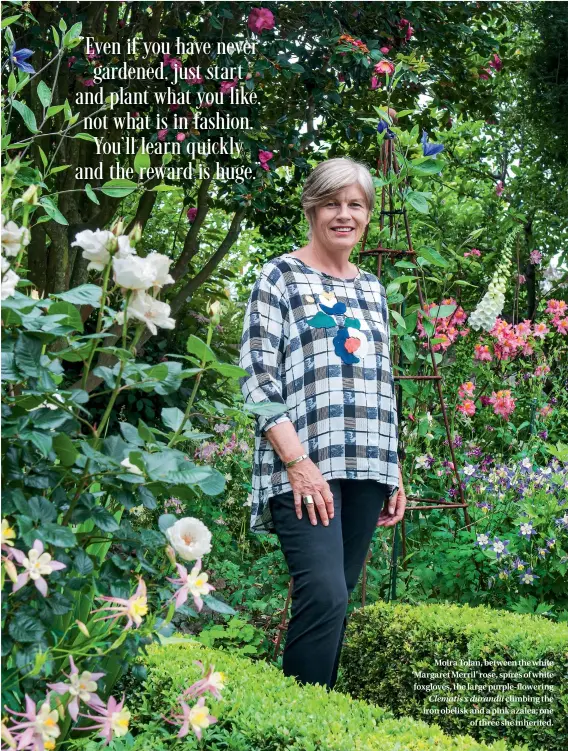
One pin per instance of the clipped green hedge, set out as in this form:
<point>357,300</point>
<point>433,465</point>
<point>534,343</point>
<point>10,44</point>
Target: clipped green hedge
<point>391,646</point>
<point>263,710</point>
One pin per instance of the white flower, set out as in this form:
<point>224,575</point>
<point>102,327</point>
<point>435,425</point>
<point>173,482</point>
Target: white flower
<point>527,463</point>
<point>190,538</point>
<point>96,247</point>
<point>422,462</point>
<point>155,314</point>
<point>5,264</point>
<point>132,272</point>
<point>13,237</point>
<point>45,723</point>
<point>125,249</point>
<point>8,285</point>
<point>469,470</point>
<point>248,501</point>
<point>160,266</point>
<point>132,468</point>
<point>119,722</point>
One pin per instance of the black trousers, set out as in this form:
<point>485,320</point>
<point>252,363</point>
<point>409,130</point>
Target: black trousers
<point>325,563</point>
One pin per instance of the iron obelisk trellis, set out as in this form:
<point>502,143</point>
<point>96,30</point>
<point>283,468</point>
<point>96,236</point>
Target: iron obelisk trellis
<point>387,163</point>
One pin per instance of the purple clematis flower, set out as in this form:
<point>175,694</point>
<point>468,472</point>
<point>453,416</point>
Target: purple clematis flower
<point>18,58</point>
<point>430,149</point>
<point>382,126</point>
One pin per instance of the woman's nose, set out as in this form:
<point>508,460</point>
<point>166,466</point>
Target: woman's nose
<point>343,211</point>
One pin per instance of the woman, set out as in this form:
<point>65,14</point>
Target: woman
<point>316,342</point>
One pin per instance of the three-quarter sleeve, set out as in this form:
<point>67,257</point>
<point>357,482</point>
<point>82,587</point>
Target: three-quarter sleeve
<point>263,344</point>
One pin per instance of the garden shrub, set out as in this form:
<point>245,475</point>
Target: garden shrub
<point>390,646</point>
<point>263,709</point>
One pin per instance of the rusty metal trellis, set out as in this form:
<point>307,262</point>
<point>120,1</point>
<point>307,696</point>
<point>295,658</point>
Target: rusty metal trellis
<point>387,163</point>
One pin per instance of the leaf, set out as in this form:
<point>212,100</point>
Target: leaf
<point>26,114</point>
<point>54,110</point>
<point>172,417</point>
<point>42,156</point>
<point>433,256</point>
<point>72,315</point>
<point>41,510</point>
<point>220,607</point>
<point>52,211</point>
<point>398,318</point>
<point>55,534</point>
<point>130,434</point>
<point>86,137</point>
<point>230,371</point>
<point>85,294</point>
<point>429,167</point>
<point>25,628</point>
<point>141,161</point>
<point>145,432</point>
<point>118,188</point>
<point>197,347</point>
<point>417,201</point>
<point>441,311</point>
<point>65,449</point>
<point>42,441</point>
<point>214,483</point>
<point>147,497</point>
<point>27,353</point>
<point>44,93</point>
<point>7,21</point>
<point>104,519</point>
<point>408,347</point>
<point>166,521</point>
<point>83,563</point>
<point>91,194</point>
<point>156,372</point>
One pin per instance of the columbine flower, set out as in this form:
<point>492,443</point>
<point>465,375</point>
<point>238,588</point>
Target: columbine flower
<point>499,547</point>
<point>527,530</point>
<point>482,540</point>
<point>198,718</point>
<point>496,63</point>
<point>154,313</point>
<point>260,19</point>
<point>213,681</point>
<point>17,57</point>
<point>469,470</point>
<point>38,729</point>
<point>81,687</point>
<point>383,127</point>
<point>264,157</point>
<point>8,534</point>
<point>518,564</point>
<point>134,608</point>
<point>111,721</point>
<point>13,237</point>
<point>96,247</point>
<point>543,552</point>
<point>527,577</point>
<point>37,564</point>
<point>190,538</point>
<point>550,542</point>
<point>500,186</point>
<point>430,149</point>
<point>562,521</point>
<point>194,583</point>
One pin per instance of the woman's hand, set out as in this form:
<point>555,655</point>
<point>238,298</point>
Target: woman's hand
<point>306,479</point>
<point>393,512</point>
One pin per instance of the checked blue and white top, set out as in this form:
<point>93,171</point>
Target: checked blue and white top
<point>320,347</point>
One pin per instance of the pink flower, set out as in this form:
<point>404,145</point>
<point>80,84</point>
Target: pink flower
<point>466,389</point>
<point>485,400</point>
<point>111,721</point>
<point>384,66</point>
<point>541,370</point>
<point>503,403</point>
<point>191,78</point>
<point>536,257</point>
<point>226,86</point>
<point>385,50</point>
<point>500,185</point>
<point>556,307</point>
<point>375,83</point>
<point>162,134</point>
<point>191,214</point>
<point>87,82</point>
<point>467,407</point>
<point>264,156</point>
<point>71,60</point>
<point>405,23</point>
<point>213,682</point>
<point>545,411</point>
<point>134,608</point>
<point>198,718</point>
<point>173,62</point>
<point>91,55</point>
<point>40,726</point>
<point>80,687</point>
<point>260,19</point>
<point>180,136</point>
<point>496,62</point>
<point>472,252</point>
<point>522,279</point>
<point>562,326</point>
<point>37,564</point>
<point>194,583</point>
<point>173,107</point>
<point>540,330</point>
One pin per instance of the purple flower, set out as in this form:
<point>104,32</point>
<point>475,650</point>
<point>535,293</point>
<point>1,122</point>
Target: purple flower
<point>19,56</point>
<point>221,427</point>
<point>384,126</point>
<point>485,506</point>
<point>550,542</point>
<point>81,686</point>
<point>37,564</point>
<point>535,257</point>
<point>499,547</point>
<point>504,573</point>
<point>430,149</point>
<point>205,451</point>
<point>543,434</point>
<point>562,521</point>
<point>527,529</point>
<point>527,577</point>
<point>543,552</point>
<point>518,564</point>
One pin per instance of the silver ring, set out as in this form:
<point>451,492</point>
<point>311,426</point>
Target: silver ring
<point>308,500</point>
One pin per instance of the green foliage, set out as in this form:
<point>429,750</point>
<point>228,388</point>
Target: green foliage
<point>390,646</point>
<point>267,711</point>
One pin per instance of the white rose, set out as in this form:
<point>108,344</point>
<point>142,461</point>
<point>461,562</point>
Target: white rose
<point>96,247</point>
<point>132,468</point>
<point>160,266</point>
<point>125,249</point>
<point>8,286</point>
<point>13,237</point>
<point>190,538</point>
<point>155,314</point>
<point>5,264</point>
<point>132,272</point>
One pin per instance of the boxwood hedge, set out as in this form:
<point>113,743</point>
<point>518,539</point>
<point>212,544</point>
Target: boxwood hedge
<point>397,654</point>
<point>262,710</point>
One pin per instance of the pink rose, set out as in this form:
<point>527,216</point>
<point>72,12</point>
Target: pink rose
<point>88,82</point>
<point>260,19</point>
<point>191,214</point>
<point>385,50</point>
<point>226,86</point>
<point>499,187</point>
<point>180,136</point>
<point>264,156</point>
<point>162,134</point>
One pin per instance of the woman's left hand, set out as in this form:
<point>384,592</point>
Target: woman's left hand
<point>393,511</point>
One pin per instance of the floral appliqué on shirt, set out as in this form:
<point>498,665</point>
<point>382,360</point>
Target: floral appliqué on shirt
<point>349,342</point>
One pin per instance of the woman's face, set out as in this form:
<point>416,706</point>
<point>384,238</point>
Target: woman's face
<point>340,221</point>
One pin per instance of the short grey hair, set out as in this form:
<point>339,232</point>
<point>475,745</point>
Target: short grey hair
<point>331,176</point>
